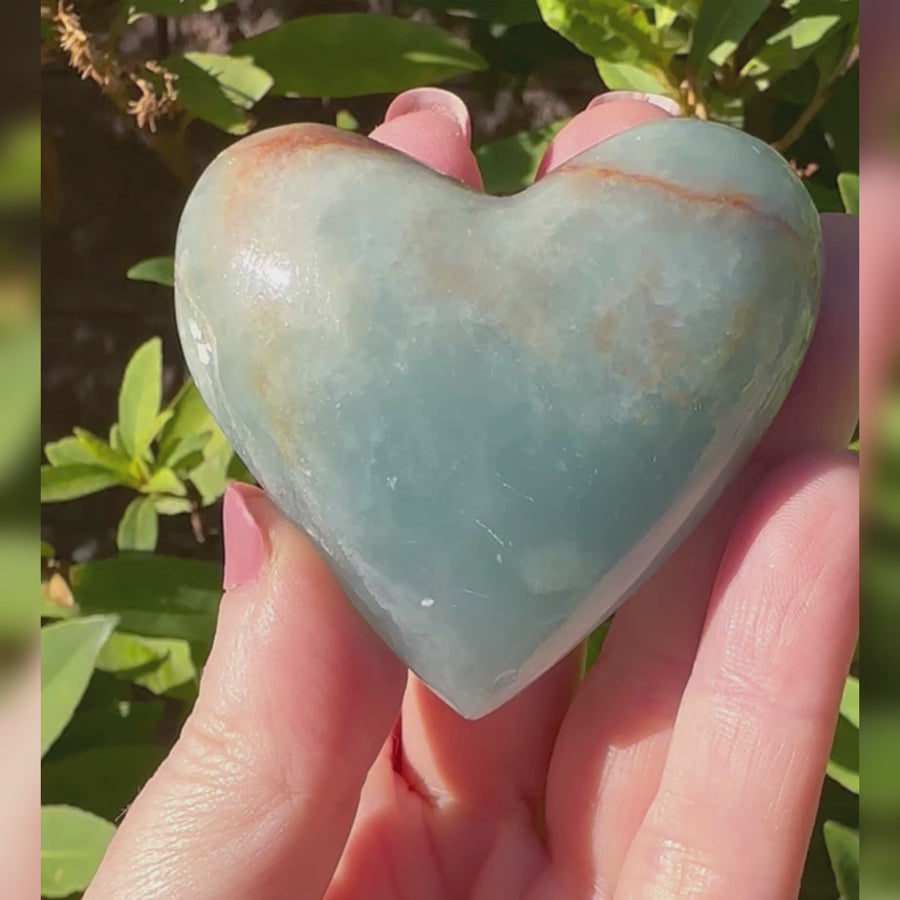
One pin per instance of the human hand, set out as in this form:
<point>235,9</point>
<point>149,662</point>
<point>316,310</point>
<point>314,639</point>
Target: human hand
<point>688,762</point>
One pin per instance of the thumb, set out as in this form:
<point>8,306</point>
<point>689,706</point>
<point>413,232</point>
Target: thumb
<point>258,795</point>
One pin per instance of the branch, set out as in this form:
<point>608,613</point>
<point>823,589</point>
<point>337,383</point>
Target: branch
<point>820,98</point>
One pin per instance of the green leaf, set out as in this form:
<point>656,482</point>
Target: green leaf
<point>190,416</point>
<point>721,26</point>
<point>20,166</point>
<point>839,120</point>
<point>174,451</point>
<point>826,199</point>
<point>72,845</point>
<point>164,481</point>
<point>172,506</point>
<point>211,476</point>
<point>115,438</point>
<point>848,185</point>
<point>156,427</point>
<point>594,644</point>
<point>108,721</point>
<point>102,454</point>
<point>154,595</point>
<point>501,12</point>
<point>139,398</point>
<point>242,82</point>
<point>138,527</point>
<point>346,121</point>
<point>68,451</point>
<point>20,594</point>
<point>70,481</point>
<point>68,652</point>
<point>158,664</point>
<point>20,408</point>
<point>812,23</point>
<point>219,89</point>
<point>843,849</point>
<point>349,54</point>
<point>510,164</point>
<point>630,77</point>
<point>843,765</point>
<point>174,7</point>
<point>617,31</point>
<point>850,701</point>
<point>158,269</point>
<point>103,780</point>
<point>818,878</point>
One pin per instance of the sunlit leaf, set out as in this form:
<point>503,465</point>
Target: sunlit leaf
<point>72,844</point>
<point>850,701</point>
<point>812,22</point>
<point>629,77</point>
<point>68,652</point>
<point>219,89</point>
<point>616,31</point>
<point>349,54</point>
<point>848,185</point>
<point>158,269</point>
<point>67,482</point>
<point>68,451</point>
<point>158,664</point>
<point>843,766</point>
<point>138,528</point>
<point>843,849</point>
<point>720,28</point>
<point>139,397</point>
<point>164,481</point>
<point>101,453</point>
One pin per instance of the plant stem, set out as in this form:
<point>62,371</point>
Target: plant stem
<point>162,36</point>
<point>820,98</point>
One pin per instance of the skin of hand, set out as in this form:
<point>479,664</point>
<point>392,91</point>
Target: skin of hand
<point>688,763</point>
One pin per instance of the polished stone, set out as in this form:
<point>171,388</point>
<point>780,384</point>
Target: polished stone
<point>495,416</point>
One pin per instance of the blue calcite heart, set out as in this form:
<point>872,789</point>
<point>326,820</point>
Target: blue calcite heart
<point>495,416</point>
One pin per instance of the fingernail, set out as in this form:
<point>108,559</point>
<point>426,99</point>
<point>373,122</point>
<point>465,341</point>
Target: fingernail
<point>434,100</point>
<point>245,543</point>
<point>667,104</point>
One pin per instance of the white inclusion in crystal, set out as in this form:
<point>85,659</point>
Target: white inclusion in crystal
<point>204,352</point>
<point>392,482</point>
<point>194,328</point>
<point>505,678</point>
<point>427,601</point>
<point>500,558</point>
<point>493,534</point>
<point>509,487</point>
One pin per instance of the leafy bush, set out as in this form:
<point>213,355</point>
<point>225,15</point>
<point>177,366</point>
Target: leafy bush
<point>124,638</point>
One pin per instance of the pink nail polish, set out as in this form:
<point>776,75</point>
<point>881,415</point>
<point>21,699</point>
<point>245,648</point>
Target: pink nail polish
<point>434,100</point>
<point>245,544</point>
<point>666,104</point>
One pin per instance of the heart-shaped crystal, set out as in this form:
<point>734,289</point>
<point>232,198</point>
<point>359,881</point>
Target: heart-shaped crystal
<point>495,416</point>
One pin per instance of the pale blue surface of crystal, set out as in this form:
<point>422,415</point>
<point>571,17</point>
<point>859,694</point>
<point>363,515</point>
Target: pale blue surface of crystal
<point>496,416</point>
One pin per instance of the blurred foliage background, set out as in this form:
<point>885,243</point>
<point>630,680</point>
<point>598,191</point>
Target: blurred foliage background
<point>138,96</point>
